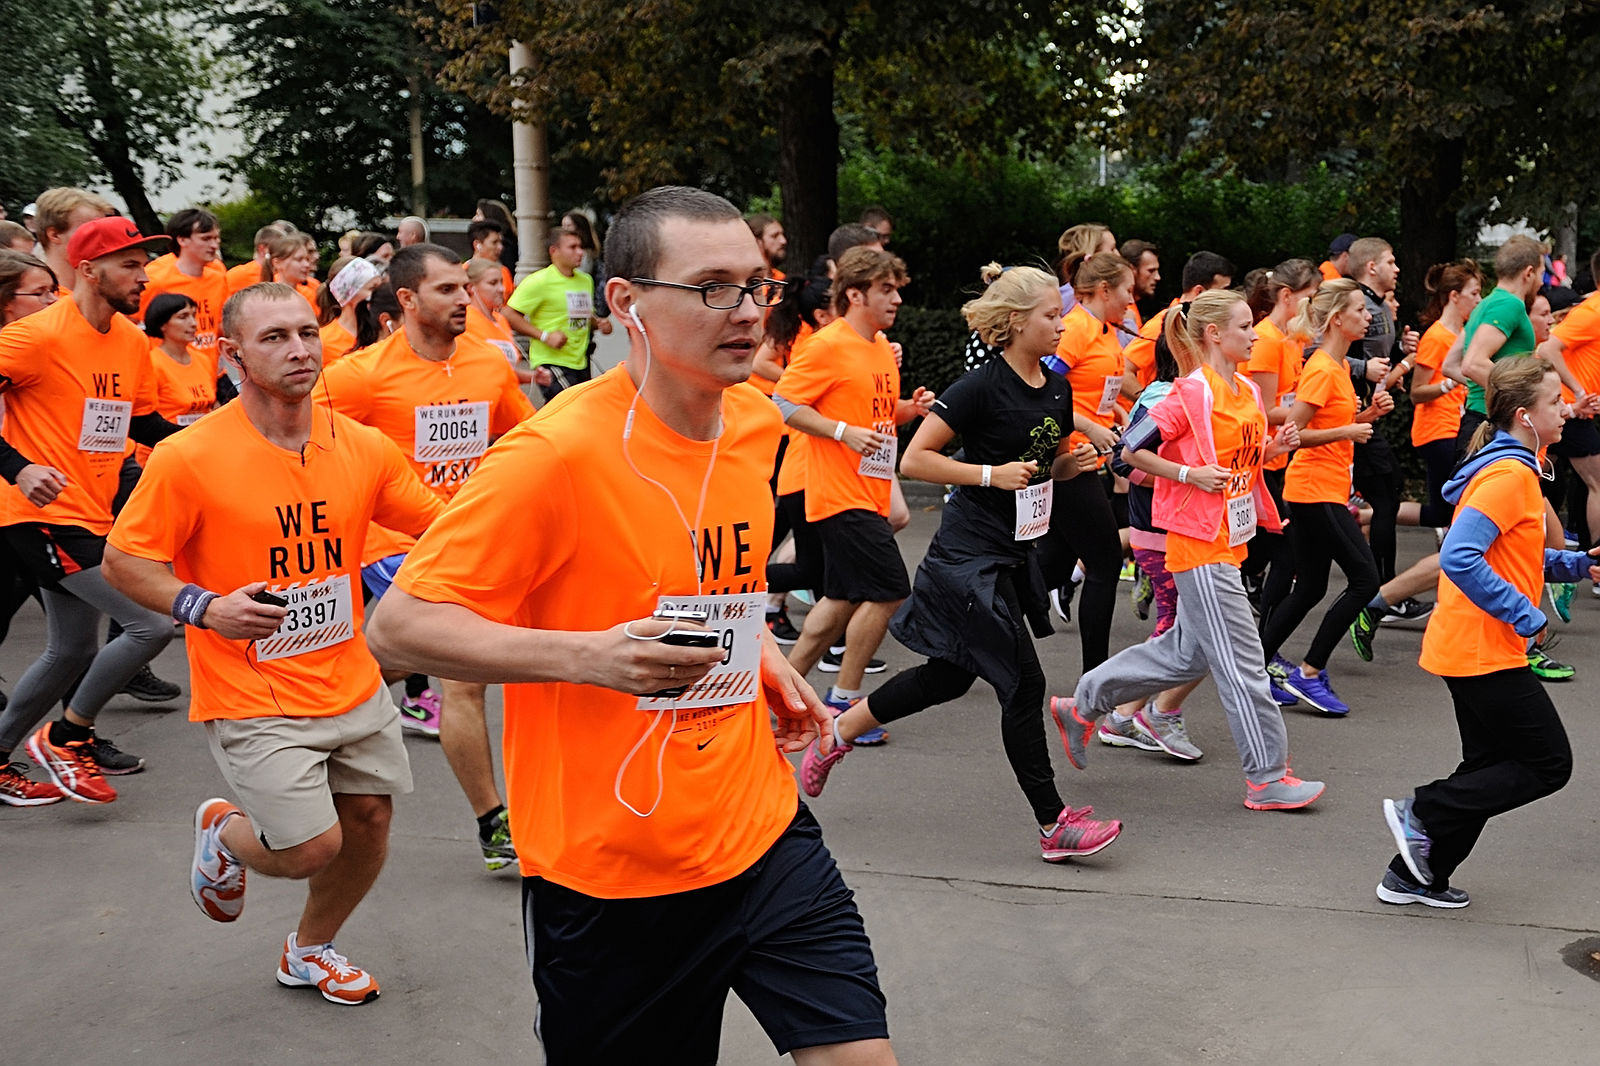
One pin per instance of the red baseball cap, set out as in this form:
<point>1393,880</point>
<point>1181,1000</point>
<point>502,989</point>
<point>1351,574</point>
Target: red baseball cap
<point>104,236</point>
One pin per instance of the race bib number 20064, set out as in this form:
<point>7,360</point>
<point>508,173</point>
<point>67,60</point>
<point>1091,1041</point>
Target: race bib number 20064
<point>737,620</point>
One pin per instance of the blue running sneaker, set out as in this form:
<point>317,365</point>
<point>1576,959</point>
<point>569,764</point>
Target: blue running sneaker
<point>1410,838</point>
<point>1400,890</point>
<point>1317,692</point>
<point>872,737</point>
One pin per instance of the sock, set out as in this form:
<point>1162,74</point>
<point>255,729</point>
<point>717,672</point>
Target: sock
<point>297,948</point>
<point>416,685</point>
<point>65,732</point>
<point>841,694</point>
<point>1378,603</point>
<point>836,649</point>
<point>1077,574</point>
<point>1176,712</point>
<point>1118,716</point>
<point>486,821</point>
<point>1305,675</point>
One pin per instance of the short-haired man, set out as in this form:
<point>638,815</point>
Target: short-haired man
<point>295,712</point>
<point>1338,262</point>
<point>16,237</point>
<point>193,270</point>
<point>555,306</point>
<point>1499,327</point>
<point>666,856</point>
<point>1202,271</point>
<point>58,214</point>
<point>249,272</point>
<point>877,219</point>
<point>411,230</point>
<point>1145,258</point>
<point>774,244</point>
<point>442,396</point>
<point>852,235</point>
<point>843,388</point>
<point>78,384</point>
<point>488,242</point>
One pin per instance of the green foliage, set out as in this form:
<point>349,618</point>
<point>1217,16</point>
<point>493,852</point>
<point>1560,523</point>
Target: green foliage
<point>934,341</point>
<point>239,220</point>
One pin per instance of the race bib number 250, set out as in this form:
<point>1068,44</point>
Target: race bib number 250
<point>737,620</point>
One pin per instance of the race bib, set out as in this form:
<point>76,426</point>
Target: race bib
<point>321,615</point>
<point>1033,510</point>
<point>450,431</point>
<point>1288,400</point>
<point>1108,396</point>
<point>579,307</point>
<point>879,462</point>
<point>509,349</point>
<point>191,418</point>
<point>1241,519</point>
<point>105,425</point>
<point>737,620</point>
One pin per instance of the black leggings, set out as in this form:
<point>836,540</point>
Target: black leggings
<point>780,523</point>
<point>1321,534</point>
<point>1507,761</point>
<point>1021,718</point>
<point>1271,550</point>
<point>806,570</point>
<point>1083,528</point>
<point>1381,490</point>
<point>1439,457</point>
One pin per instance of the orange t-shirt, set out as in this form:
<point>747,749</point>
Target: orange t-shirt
<point>1579,333</point>
<point>337,342</point>
<point>1141,350</point>
<point>308,288</point>
<point>243,276</point>
<point>495,331</point>
<point>792,474</point>
<point>209,291</point>
<point>605,545</point>
<point>1094,360</point>
<point>69,392</point>
<point>184,392</point>
<point>1322,474</point>
<point>1329,271</point>
<point>1461,640</point>
<point>1274,353</point>
<point>845,377</point>
<point>1438,419</point>
<point>297,528</point>
<point>1239,427</point>
<point>461,404</point>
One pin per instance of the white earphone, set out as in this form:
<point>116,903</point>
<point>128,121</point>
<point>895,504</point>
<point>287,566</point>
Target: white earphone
<point>1526,420</point>
<point>633,313</point>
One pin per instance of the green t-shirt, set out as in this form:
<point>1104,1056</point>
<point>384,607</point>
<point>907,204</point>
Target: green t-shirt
<point>551,300</point>
<point>1508,314</point>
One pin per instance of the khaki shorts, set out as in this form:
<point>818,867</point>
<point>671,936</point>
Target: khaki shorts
<point>285,771</point>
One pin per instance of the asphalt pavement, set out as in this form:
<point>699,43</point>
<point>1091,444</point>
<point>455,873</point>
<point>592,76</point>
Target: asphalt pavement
<point>1206,933</point>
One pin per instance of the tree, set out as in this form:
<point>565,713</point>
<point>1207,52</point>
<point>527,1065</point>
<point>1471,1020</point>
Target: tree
<point>1446,108</point>
<point>720,94</point>
<point>103,90</point>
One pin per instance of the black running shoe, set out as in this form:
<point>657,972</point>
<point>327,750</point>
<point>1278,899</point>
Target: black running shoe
<point>112,760</point>
<point>783,630</point>
<point>145,685</point>
<point>832,661</point>
<point>1407,610</point>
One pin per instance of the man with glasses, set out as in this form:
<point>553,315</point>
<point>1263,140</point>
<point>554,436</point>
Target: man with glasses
<point>665,854</point>
<point>877,219</point>
<point>555,306</point>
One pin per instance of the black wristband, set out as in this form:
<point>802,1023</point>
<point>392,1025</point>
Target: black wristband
<point>190,605</point>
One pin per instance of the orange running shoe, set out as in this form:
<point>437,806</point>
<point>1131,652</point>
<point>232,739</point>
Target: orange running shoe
<point>327,971</point>
<point>71,767</point>
<point>216,881</point>
<point>17,789</point>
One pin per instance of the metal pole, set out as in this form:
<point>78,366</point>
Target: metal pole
<point>419,179</point>
<point>530,170</point>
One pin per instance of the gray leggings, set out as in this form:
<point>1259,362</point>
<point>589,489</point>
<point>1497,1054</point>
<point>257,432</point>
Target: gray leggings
<point>72,616</point>
<point>1215,633</point>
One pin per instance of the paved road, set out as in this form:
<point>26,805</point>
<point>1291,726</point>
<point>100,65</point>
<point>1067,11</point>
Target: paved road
<point>1208,933</point>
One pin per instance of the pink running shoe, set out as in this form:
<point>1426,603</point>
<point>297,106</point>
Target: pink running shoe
<point>1077,834</point>
<point>421,715</point>
<point>815,766</point>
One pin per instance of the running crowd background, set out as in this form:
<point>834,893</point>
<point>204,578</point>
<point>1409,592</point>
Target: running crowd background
<point>1218,453</point>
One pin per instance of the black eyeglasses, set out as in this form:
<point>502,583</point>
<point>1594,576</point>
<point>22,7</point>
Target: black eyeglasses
<point>725,295</point>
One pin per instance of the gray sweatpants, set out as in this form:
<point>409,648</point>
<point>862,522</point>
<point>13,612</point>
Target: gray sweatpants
<point>72,619</point>
<point>1216,633</point>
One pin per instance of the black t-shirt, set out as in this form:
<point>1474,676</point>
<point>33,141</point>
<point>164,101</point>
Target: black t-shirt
<point>1002,419</point>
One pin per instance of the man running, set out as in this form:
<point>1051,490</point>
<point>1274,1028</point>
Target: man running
<point>193,270</point>
<point>441,396</point>
<point>249,273</point>
<point>77,383</point>
<point>555,306</point>
<point>665,856</point>
<point>295,711</point>
<point>60,213</point>
<point>774,244</point>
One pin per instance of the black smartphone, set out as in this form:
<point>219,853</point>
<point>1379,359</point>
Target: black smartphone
<point>270,599</point>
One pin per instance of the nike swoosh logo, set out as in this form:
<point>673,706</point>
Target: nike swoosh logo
<point>702,747</point>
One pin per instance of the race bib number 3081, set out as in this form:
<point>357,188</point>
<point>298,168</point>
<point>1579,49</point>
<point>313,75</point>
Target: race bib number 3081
<point>737,620</point>
<point>321,615</point>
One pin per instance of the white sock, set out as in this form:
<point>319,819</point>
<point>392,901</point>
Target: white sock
<point>1118,716</point>
<point>845,693</point>
<point>1307,676</point>
<point>836,649</point>
<point>1077,574</point>
<point>296,948</point>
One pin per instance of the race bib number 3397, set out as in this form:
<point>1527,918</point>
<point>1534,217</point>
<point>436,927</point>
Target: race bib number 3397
<point>737,620</point>
<point>321,615</point>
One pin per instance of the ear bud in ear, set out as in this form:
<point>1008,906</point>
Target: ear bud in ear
<point>1527,421</point>
<point>633,313</point>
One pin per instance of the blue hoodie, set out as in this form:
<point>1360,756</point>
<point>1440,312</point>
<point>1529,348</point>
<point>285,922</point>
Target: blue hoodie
<point>1471,532</point>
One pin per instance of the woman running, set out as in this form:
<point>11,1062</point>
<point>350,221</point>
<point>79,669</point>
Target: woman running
<point>341,308</point>
<point>1322,531</point>
<point>1453,291</point>
<point>486,297</point>
<point>1513,747</point>
<point>1089,356</point>
<point>1206,442</point>
<point>979,587</point>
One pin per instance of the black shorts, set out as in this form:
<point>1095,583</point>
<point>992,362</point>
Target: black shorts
<point>860,561</point>
<point>1579,439</point>
<point>645,980</point>
<point>49,553</point>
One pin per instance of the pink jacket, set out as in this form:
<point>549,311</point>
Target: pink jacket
<point>1184,419</point>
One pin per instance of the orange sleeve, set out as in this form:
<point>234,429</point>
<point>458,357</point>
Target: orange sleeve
<point>1581,326</point>
<point>1434,346</point>
<point>1496,493</point>
<point>810,374</point>
<point>344,388</point>
<point>403,501</point>
<point>1316,384</point>
<point>1264,357</point>
<point>522,484</point>
<point>159,516</point>
<point>19,364</point>
<point>513,408</point>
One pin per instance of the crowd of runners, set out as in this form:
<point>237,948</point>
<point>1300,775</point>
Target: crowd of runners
<point>314,483</point>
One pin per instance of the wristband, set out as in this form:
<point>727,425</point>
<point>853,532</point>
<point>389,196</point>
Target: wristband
<point>988,472</point>
<point>1449,383</point>
<point>542,336</point>
<point>838,430</point>
<point>1183,475</point>
<point>190,605</point>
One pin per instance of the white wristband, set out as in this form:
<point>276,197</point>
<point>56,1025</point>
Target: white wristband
<point>542,336</point>
<point>1447,385</point>
<point>1183,475</point>
<point>838,430</point>
<point>988,472</point>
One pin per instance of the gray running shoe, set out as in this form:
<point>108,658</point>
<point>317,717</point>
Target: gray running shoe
<point>1287,793</point>
<point>1410,838</point>
<point>1127,734</point>
<point>1399,890</point>
<point>1168,731</point>
<point>1075,729</point>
